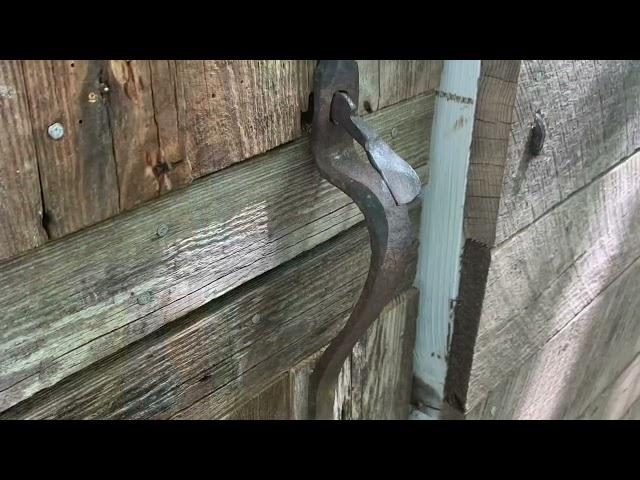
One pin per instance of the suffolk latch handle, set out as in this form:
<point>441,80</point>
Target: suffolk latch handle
<point>381,187</point>
<point>402,180</point>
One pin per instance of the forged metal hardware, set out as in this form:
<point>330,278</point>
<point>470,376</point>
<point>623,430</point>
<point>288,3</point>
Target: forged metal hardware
<point>538,133</point>
<point>381,188</point>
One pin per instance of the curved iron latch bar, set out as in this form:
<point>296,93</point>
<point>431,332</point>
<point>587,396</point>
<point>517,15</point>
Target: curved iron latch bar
<point>382,188</point>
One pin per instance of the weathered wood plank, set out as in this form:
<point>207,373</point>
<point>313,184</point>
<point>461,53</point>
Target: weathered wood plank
<point>78,173</point>
<point>117,282</point>
<point>290,358</point>
<point>491,133</point>
<point>273,403</point>
<point>137,129</point>
<point>572,375</point>
<point>402,79</point>
<point>369,71</point>
<point>633,413</point>
<point>544,276</point>
<point>375,381</point>
<point>619,400</point>
<point>20,198</point>
<point>144,122</point>
<point>207,364</point>
<point>237,109</point>
<point>380,366</point>
<point>488,156</point>
<point>592,110</point>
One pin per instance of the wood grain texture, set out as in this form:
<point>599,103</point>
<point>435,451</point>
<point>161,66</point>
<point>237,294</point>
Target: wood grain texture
<point>136,129</point>
<point>620,399</point>
<point>380,367</point>
<point>402,79</point>
<point>592,110</point>
<point>567,223</point>
<point>233,110</point>
<point>143,116</point>
<point>20,198</point>
<point>375,381</point>
<point>583,371</point>
<point>273,403</point>
<point>489,144</point>
<point>77,172</point>
<point>210,362</point>
<point>369,100</point>
<point>77,301</point>
<point>542,278</point>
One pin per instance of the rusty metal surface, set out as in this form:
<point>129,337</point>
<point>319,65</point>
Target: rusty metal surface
<point>381,188</point>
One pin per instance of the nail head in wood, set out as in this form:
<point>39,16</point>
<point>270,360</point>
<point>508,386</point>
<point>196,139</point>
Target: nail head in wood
<point>162,230</point>
<point>56,131</point>
<point>144,298</point>
<point>538,133</point>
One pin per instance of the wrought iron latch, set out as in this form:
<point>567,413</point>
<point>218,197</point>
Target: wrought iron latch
<point>382,188</point>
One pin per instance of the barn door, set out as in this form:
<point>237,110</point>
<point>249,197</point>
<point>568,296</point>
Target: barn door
<point>169,250</point>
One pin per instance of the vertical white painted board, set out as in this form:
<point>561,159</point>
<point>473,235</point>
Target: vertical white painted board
<point>441,229</point>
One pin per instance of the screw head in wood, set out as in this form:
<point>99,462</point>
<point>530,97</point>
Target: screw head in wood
<point>162,230</point>
<point>394,132</point>
<point>56,131</point>
<point>144,298</point>
<point>256,319</point>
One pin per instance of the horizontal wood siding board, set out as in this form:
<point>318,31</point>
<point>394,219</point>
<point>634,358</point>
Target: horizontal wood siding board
<point>136,129</point>
<point>273,403</point>
<point>544,276</point>
<point>574,374</point>
<point>592,110</point>
<point>208,363</point>
<point>76,301</point>
<point>375,380</point>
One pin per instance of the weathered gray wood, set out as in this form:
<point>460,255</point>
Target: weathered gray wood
<point>380,366</point>
<point>273,403</point>
<point>369,86</point>
<point>633,413</point>
<point>375,381</point>
<point>207,364</point>
<point>299,377</point>
<point>572,376</point>
<point>78,172</point>
<point>544,276</point>
<point>74,302</point>
<point>592,109</point>
<point>567,221</point>
<point>619,400</point>
<point>20,197</point>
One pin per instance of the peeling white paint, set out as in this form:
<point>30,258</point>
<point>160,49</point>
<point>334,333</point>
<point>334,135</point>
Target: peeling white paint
<point>441,228</point>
